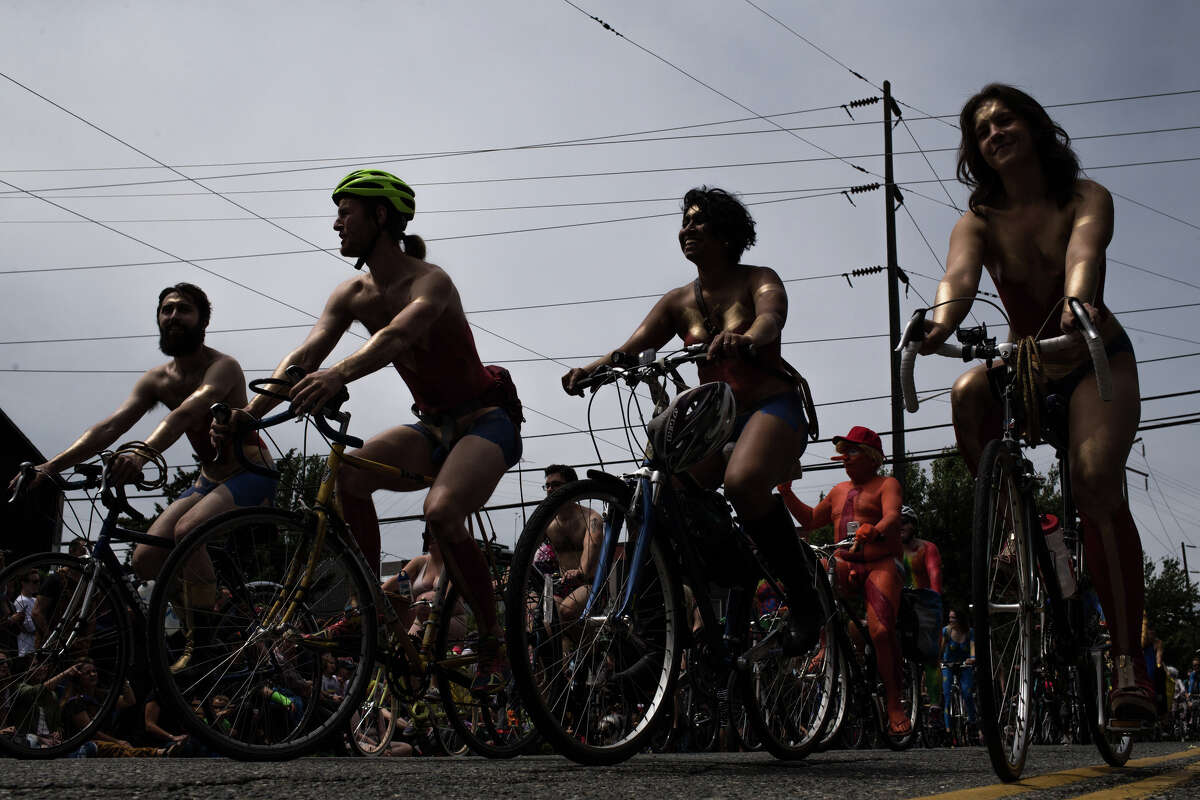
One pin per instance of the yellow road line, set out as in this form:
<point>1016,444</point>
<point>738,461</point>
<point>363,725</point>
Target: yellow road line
<point>1151,785</point>
<point>1055,779</point>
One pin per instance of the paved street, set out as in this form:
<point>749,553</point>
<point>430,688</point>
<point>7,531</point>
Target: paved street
<point>1169,770</point>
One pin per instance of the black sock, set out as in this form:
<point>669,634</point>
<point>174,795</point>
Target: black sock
<point>775,537</point>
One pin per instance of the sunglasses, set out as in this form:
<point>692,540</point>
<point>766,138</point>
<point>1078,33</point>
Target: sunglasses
<point>550,486</point>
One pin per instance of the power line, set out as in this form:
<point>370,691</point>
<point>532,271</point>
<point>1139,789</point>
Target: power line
<point>811,44</point>
<point>1128,199</point>
<point>430,239</point>
<point>583,141</point>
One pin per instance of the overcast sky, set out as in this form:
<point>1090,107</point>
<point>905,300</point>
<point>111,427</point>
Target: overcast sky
<point>271,103</point>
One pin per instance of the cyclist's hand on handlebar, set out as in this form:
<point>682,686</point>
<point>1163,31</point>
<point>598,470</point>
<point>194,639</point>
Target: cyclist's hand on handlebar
<point>571,378</point>
<point>126,467</point>
<point>935,335</point>
<point>40,473</point>
<point>220,433</point>
<point>1068,322</point>
<point>728,344</point>
<point>316,389</point>
<point>865,534</point>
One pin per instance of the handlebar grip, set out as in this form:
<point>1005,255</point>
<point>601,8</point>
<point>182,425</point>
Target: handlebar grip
<point>914,331</point>
<point>907,362</point>
<point>1095,345</point>
<point>221,413</point>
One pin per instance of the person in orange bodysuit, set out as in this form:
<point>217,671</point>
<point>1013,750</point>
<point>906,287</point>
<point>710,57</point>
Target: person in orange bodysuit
<point>873,502</point>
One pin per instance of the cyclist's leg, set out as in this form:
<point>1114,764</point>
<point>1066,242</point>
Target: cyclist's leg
<point>147,559</point>
<point>404,447</point>
<point>1101,437</point>
<point>466,481</point>
<point>765,455</point>
<point>882,595</point>
<point>966,684</point>
<point>947,685</point>
<point>976,413</point>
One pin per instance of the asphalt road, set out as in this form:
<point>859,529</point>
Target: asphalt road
<point>1168,770</point>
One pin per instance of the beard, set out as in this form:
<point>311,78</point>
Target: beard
<point>179,340</point>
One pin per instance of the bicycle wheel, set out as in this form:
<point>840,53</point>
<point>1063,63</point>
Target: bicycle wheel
<point>841,705</point>
<point>596,687</point>
<point>1114,746</point>
<point>1003,595</point>
<point>743,733</point>
<point>789,699</point>
<point>492,725</point>
<point>910,699</point>
<point>75,661</point>
<point>261,600</point>
<point>370,727</point>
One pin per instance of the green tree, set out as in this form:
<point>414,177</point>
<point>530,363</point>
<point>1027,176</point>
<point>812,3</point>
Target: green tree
<point>1171,609</point>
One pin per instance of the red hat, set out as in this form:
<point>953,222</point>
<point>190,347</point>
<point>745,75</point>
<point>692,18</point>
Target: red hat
<point>860,435</point>
<point>1049,523</point>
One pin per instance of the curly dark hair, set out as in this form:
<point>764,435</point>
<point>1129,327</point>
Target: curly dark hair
<point>1051,143</point>
<point>564,470</point>
<point>727,217</point>
<point>194,294</point>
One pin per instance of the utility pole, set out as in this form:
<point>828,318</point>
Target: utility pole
<point>1187,577</point>
<point>890,200</point>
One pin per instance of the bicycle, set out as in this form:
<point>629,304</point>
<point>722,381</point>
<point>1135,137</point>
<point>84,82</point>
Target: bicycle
<point>599,687</point>
<point>94,614</point>
<point>1014,577</point>
<point>246,677</point>
<point>859,695</point>
<point>960,728</point>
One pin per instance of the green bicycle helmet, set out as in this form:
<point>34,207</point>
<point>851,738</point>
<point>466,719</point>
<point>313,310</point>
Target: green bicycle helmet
<point>377,183</point>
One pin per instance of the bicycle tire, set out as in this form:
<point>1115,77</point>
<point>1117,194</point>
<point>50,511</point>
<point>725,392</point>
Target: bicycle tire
<point>910,692</point>
<point>370,727</point>
<point>492,725</point>
<point>93,624</point>
<point>742,732</point>
<point>1115,746</point>
<point>249,666</point>
<point>598,694</point>
<point>1003,592</point>
<point>841,708</point>
<point>789,699</point>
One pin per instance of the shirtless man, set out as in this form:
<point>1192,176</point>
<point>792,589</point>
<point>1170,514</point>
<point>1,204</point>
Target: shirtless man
<point>921,558</point>
<point>196,377</point>
<point>1041,231</point>
<point>469,429</point>
<point>575,535</point>
<point>866,507</point>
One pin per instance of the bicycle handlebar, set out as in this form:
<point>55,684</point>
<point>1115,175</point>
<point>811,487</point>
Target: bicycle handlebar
<point>92,476</point>
<point>914,335</point>
<point>331,411</point>
<point>623,369</point>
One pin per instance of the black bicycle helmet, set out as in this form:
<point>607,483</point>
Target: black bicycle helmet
<point>695,425</point>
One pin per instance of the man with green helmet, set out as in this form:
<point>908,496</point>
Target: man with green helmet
<point>468,433</point>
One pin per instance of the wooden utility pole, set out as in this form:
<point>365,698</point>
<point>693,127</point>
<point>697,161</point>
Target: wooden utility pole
<point>890,196</point>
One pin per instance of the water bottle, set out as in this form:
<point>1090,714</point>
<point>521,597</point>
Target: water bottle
<point>404,586</point>
<point>851,528</point>
<point>1064,570</point>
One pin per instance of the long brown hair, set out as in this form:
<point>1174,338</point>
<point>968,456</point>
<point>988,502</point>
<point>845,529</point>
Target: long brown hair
<point>1050,142</point>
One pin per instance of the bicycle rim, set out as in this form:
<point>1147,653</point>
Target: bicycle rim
<point>492,725</point>
<point>1003,595</point>
<point>596,688</point>
<point>910,694</point>
<point>370,727</point>
<point>243,663</point>
<point>86,624</point>
<point>789,699</point>
<point>1115,746</point>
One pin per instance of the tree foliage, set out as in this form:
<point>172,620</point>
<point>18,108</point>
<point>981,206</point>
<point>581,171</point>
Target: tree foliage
<point>1171,609</point>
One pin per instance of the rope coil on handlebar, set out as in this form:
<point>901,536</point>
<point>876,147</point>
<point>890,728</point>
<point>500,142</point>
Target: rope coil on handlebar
<point>1029,369</point>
